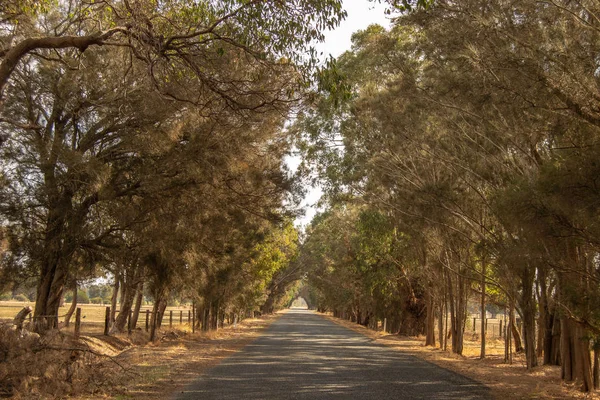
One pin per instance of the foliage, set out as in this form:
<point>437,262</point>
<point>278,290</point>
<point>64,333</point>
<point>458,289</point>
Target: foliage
<point>146,142</point>
<point>473,132</point>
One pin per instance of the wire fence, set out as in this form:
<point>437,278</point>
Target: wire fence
<point>92,319</point>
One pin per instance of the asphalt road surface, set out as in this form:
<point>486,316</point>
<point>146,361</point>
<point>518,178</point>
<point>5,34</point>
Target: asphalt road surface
<point>305,356</point>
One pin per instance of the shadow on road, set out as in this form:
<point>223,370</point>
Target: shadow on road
<point>305,356</point>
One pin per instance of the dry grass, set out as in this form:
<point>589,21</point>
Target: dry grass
<point>121,366</point>
<point>92,315</point>
<point>505,381</point>
<point>157,371</point>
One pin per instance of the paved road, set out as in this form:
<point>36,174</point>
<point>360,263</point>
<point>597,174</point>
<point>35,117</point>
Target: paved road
<point>305,356</point>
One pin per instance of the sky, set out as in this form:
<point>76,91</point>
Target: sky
<point>361,14</point>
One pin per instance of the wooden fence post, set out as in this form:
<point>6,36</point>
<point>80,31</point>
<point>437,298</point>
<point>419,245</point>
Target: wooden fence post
<point>180,317</point>
<point>129,322</point>
<point>500,330</point>
<point>106,321</point>
<point>474,322</point>
<point>171,319</point>
<point>77,323</point>
<point>147,319</point>
<point>385,324</point>
<point>193,318</point>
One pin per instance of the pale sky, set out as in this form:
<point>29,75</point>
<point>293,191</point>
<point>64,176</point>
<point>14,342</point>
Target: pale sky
<point>361,14</point>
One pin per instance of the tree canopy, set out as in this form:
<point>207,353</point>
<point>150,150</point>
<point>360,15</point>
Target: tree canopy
<point>145,141</point>
<point>469,130</point>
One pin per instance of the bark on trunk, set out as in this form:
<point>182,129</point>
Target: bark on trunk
<point>161,311</point>
<point>551,339</point>
<point>596,371</point>
<point>138,305</point>
<point>430,319</point>
<point>566,350</point>
<point>457,313</point>
<point>19,319</point>
<point>73,306</point>
<point>541,285</point>
<point>483,315</point>
<point>516,336</point>
<point>441,324</point>
<point>528,309</point>
<point>583,361</point>
<point>51,285</point>
<point>113,299</point>
<point>508,336</point>
<point>50,290</point>
<point>126,304</point>
<point>154,319</point>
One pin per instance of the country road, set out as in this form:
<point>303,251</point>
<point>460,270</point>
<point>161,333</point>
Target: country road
<point>305,356</point>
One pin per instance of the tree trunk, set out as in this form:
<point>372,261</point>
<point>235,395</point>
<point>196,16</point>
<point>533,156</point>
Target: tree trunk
<point>214,310</point>
<point>161,311</point>
<point>19,319</point>
<point>483,314</point>
<point>528,308</point>
<point>52,278</point>
<point>555,345</point>
<point>154,319</point>
<point>446,332</point>
<point>542,300</point>
<point>508,337</point>
<point>113,299</point>
<point>583,363</point>
<point>206,317</point>
<point>516,336</point>
<point>429,319</point>
<point>125,286</point>
<point>138,305</point>
<point>596,371</point>
<point>551,339</point>
<point>73,306</point>
<point>49,293</point>
<point>457,314</point>
<point>566,350</point>
<point>441,323</point>
<point>128,294</point>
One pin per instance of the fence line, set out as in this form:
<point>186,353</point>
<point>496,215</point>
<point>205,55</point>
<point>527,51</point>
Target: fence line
<point>186,317</point>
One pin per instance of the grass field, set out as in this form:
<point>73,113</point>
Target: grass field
<point>92,315</point>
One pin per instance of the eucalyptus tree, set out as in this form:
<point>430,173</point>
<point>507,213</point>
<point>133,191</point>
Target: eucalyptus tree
<point>92,89</point>
<point>468,118</point>
<point>536,66</point>
<point>177,40</point>
<point>362,268</point>
<point>77,151</point>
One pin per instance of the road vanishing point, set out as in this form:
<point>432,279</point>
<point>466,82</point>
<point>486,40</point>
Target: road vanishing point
<point>303,355</point>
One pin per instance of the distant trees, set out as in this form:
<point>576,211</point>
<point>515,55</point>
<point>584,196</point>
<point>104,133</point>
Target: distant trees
<point>471,128</point>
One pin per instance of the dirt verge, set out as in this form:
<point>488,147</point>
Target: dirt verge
<point>158,371</point>
<point>505,381</point>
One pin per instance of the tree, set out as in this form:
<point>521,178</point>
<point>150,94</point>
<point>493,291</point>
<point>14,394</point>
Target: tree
<point>467,121</point>
<point>176,41</point>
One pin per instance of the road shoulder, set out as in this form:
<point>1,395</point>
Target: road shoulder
<point>505,381</point>
<point>158,371</point>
